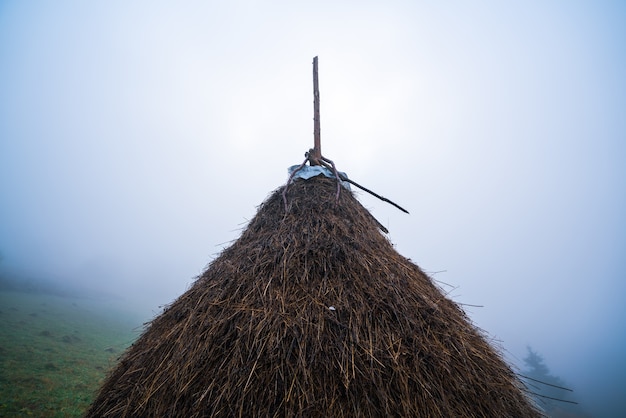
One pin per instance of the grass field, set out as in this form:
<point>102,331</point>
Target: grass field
<point>55,352</point>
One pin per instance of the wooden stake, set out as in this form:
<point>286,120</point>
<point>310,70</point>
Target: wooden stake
<point>316,153</point>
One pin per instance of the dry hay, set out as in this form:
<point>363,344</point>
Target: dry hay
<point>312,313</point>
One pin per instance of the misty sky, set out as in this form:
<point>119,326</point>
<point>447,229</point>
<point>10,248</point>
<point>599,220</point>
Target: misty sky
<point>137,139</point>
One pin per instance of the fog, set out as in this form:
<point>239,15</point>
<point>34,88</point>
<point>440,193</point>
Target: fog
<point>138,138</point>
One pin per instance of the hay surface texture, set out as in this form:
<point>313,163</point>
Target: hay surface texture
<point>312,313</point>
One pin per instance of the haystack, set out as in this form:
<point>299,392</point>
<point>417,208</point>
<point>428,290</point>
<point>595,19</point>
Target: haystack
<point>312,313</point>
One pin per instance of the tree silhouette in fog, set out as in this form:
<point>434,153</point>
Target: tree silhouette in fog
<point>538,370</point>
<point>550,391</point>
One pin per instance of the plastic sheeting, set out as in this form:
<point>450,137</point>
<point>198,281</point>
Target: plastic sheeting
<point>316,170</point>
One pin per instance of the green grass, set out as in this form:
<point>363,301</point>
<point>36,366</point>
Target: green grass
<point>55,352</point>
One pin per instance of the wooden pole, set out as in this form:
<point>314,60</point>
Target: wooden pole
<point>317,147</point>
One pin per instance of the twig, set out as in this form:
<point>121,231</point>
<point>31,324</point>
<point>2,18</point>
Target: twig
<point>550,397</point>
<point>324,161</point>
<point>469,304</point>
<point>544,383</point>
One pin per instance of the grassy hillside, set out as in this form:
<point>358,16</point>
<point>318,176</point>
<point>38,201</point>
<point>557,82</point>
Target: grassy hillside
<point>55,352</point>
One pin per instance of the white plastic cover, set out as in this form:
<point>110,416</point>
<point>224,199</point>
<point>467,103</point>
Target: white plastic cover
<point>311,171</point>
